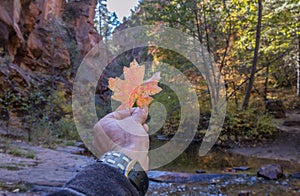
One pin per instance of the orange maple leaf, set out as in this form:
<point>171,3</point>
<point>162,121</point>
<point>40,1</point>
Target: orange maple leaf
<point>133,89</point>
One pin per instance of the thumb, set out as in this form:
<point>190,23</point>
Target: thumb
<point>140,115</point>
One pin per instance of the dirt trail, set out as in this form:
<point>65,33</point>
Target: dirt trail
<point>284,146</point>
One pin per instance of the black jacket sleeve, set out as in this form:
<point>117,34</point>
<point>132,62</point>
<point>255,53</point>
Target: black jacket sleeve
<point>98,179</point>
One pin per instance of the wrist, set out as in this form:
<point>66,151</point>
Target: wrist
<point>129,167</point>
<point>140,156</point>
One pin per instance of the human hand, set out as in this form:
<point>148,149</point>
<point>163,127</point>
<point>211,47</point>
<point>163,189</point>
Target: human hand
<point>124,131</point>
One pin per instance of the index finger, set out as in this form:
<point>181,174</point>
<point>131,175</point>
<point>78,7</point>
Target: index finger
<point>140,114</point>
<point>120,114</point>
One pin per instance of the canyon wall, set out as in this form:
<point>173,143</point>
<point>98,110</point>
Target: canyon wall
<point>42,43</point>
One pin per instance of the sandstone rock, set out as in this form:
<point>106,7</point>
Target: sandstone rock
<point>10,12</point>
<point>52,9</point>
<point>276,108</point>
<point>270,171</point>
<point>13,77</point>
<point>29,29</point>
<point>83,13</point>
<point>49,168</point>
<point>36,43</point>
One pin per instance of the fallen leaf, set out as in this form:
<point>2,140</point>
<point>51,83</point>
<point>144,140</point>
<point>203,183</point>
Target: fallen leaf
<point>133,89</point>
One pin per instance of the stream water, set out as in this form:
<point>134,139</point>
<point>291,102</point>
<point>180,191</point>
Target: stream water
<point>221,179</point>
<point>244,185</point>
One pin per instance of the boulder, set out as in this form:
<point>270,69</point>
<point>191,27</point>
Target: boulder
<point>270,171</point>
<point>276,108</point>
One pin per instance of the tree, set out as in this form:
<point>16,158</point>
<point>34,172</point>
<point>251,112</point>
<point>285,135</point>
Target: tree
<point>105,20</point>
<point>255,57</point>
<point>228,30</point>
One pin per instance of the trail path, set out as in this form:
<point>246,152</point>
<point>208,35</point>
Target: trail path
<point>284,146</point>
<point>48,169</point>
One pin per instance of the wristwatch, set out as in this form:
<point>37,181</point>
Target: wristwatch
<point>131,169</point>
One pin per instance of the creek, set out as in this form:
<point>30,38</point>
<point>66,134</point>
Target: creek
<point>221,173</point>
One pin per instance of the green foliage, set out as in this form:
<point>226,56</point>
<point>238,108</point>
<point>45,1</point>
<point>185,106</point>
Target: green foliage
<point>250,124</point>
<point>45,113</point>
<point>7,145</point>
<point>56,121</point>
<point>18,152</point>
<point>228,29</point>
<point>30,154</point>
<point>171,103</point>
<point>21,187</point>
<point>105,21</point>
<point>65,129</point>
<point>75,57</point>
<point>70,143</point>
<point>278,38</point>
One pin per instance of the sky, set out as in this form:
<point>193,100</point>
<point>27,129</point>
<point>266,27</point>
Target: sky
<point>121,7</point>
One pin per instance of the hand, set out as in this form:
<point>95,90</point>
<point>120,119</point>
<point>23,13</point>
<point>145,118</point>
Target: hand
<point>124,131</point>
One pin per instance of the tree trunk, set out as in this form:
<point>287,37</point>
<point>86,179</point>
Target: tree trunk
<point>255,57</point>
<point>266,83</point>
<point>197,20</point>
<point>298,66</point>
<point>206,29</point>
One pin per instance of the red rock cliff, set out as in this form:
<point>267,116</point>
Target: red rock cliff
<point>43,36</point>
<point>42,42</point>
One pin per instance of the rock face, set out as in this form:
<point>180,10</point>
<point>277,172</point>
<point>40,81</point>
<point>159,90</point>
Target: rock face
<point>51,9</point>
<point>270,171</point>
<point>42,42</point>
<point>21,22</point>
<point>39,36</point>
<point>83,13</point>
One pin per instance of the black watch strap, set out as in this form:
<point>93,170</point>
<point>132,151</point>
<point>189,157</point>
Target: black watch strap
<point>131,169</point>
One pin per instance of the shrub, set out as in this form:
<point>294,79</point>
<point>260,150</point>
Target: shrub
<point>250,124</point>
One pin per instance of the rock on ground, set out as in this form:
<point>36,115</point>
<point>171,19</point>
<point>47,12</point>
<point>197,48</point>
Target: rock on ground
<point>270,171</point>
<point>46,170</point>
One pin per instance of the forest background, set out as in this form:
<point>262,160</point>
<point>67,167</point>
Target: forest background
<point>255,44</point>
